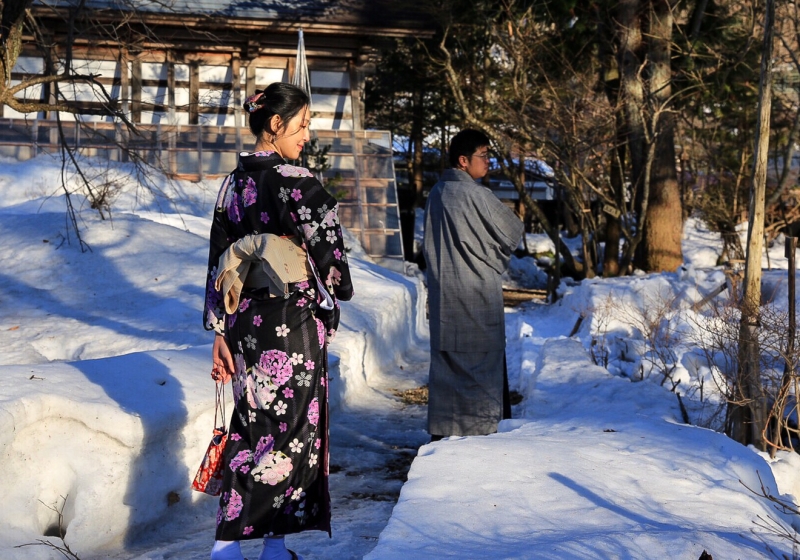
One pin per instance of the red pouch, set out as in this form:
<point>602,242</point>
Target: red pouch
<point>209,476</point>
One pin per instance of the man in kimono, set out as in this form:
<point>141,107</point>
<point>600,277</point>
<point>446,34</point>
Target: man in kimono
<point>469,237</point>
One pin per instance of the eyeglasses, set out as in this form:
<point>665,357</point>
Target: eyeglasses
<point>484,156</point>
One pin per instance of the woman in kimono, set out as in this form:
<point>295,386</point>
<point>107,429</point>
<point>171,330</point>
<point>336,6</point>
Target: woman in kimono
<point>275,348</point>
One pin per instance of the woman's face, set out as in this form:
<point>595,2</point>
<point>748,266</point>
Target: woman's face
<point>290,140</point>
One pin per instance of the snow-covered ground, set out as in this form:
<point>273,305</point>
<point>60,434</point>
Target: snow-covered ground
<point>106,405</point>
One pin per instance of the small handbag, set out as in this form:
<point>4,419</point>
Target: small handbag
<point>209,476</point>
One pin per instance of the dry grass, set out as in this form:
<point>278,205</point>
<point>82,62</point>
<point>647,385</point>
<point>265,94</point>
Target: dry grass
<point>418,395</point>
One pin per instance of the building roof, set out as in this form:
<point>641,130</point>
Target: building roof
<point>369,17</point>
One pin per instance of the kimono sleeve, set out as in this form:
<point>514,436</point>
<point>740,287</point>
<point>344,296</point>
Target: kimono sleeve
<point>213,310</point>
<point>504,227</point>
<point>318,221</point>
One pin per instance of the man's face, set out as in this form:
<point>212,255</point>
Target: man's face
<point>477,165</point>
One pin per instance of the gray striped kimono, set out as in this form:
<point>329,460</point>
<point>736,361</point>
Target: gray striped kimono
<point>469,237</point>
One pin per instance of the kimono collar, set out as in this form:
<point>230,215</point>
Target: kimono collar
<point>253,161</point>
<point>457,175</point>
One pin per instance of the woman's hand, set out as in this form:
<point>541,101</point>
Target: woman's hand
<point>223,368</point>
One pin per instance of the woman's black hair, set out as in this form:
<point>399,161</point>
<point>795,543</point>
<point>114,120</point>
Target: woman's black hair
<point>466,143</point>
<point>284,100</point>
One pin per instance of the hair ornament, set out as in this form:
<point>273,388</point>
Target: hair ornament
<point>252,102</point>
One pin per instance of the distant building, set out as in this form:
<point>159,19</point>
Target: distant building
<point>180,72</point>
<point>539,181</point>
<point>538,189</point>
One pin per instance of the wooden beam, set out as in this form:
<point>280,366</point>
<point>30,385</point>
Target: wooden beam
<point>136,91</point>
<point>237,99</point>
<point>194,92</point>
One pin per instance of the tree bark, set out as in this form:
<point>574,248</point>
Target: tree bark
<point>632,90</point>
<point>611,255</point>
<point>416,139</point>
<point>611,82</point>
<point>747,414</point>
<point>12,16</point>
<point>661,243</point>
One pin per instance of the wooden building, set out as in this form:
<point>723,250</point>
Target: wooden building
<point>179,71</point>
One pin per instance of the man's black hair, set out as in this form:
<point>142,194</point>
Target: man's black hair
<point>466,143</point>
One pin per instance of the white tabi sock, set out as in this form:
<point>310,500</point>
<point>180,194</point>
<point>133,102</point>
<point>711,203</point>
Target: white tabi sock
<point>226,550</point>
<point>275,549</point>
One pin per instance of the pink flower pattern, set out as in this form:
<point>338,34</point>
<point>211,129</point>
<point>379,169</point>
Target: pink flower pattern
<point>313,412</point>
<point>272,468</point>
<point>320,332</point>
<point>234,507</point>
<point>276,363</point>
<point>293,171</point>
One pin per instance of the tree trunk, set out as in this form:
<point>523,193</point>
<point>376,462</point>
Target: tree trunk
<point>632,90</point>
<point>611,255</point>
<point>661,243</point>
<point>12,16</point>
<point>747,414</point>
<point>417,146</point>
<point>611,83</point>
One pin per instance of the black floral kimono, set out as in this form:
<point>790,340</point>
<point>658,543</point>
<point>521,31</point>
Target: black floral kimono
<point>276,458</point>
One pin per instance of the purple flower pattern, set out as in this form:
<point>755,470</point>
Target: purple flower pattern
<point>234,211</point>
<point>249,193</point>
<point>241,458</point>
<point>265,445</point>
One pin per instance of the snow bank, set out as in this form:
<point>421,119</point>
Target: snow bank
<point>106,404</point>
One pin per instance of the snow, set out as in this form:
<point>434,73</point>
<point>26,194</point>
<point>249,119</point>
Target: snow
<point>106,404</point>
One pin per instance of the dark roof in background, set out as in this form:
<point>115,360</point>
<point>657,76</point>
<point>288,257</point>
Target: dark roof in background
<point>369,16</point>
